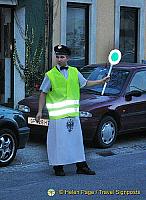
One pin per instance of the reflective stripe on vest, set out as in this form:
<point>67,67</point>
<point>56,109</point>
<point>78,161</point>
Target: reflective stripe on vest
<point>62,104</point>
<point>64,111</point>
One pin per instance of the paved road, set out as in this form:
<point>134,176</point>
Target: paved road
<point>35,150</point>
<point>120,174</point>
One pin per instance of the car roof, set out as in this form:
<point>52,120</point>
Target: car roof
<point>130,66</point>
<point>127,66</point>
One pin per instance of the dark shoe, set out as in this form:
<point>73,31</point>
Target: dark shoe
<point>59,173</point>
<point>59,170</point>
<point>85,170</point>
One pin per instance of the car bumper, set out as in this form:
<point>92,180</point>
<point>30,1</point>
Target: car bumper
<point>38,130</point>
<point>89,127</point>
<point>23,136</point>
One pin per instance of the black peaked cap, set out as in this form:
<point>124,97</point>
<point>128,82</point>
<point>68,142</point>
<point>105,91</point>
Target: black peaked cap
<point>62,50</point>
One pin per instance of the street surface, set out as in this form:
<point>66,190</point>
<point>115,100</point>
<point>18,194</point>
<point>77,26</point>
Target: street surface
<point>120,173</point>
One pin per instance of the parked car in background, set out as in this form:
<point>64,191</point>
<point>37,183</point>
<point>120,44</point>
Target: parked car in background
<point>120,110</point>
<point>14,134</point>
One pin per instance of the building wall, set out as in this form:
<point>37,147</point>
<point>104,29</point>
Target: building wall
<point>56,25</point>
<point>105,29</point>
<point>56,22</point>
<point>19,86</point>
<point>8,2</point>
<point>107,26</point>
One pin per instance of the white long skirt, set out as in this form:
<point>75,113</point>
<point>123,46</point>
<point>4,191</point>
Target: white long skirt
<point>65,141</point>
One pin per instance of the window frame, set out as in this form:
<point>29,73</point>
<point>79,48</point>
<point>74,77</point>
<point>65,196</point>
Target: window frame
<point>84,6</point>
<point>135,11</point>
<point>141,21</point>
<point>92,29</point>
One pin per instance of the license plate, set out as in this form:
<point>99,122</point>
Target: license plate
<point>42,122</point>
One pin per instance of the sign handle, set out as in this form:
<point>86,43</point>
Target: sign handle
<point>114,58</point>
<point>105,84</point>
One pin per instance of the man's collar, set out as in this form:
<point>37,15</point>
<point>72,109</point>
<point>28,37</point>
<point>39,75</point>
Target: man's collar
<point>62,67</point>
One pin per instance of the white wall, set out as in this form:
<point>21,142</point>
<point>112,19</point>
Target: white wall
<point>9,2</point>
<point>7,79</point>
<point>19,28</point>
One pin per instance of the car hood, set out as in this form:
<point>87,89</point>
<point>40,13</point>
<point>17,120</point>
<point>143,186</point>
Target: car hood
<point>31,101</point>
<point>5,110</point>
<point>89,101</point>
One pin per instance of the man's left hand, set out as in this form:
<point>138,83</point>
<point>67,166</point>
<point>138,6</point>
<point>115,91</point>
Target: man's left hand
<point>106,79</point>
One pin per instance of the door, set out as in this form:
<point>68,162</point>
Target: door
<point>5,54</point>
<point>134,111</point>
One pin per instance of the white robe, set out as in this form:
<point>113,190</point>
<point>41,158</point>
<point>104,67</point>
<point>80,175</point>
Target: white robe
<point>65,147</point>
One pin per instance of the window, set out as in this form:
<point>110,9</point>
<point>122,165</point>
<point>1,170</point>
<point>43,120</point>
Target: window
<point>139,81</point>
<point>77,33</point>
<point>88,7</point>
<point>133,12</point>
<point>128,34</point>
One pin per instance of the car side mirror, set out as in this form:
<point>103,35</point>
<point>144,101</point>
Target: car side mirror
<point>133,93</point>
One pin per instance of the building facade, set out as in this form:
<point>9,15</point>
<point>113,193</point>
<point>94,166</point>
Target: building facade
<point>10,16</point>
<point>91,28</point>
<point>94,27</point>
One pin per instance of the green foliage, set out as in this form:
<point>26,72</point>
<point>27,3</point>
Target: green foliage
<point>31,72</point>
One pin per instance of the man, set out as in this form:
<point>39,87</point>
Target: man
<point>60,91</point>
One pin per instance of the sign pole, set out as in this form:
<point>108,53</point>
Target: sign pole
<point>114,58</point>
<point>109,72</point>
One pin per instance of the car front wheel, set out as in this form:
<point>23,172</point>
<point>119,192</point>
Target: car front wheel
<point>8,147</point>
<point>107,132</point>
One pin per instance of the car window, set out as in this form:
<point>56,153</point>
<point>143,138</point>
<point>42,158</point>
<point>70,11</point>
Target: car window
<point>86,71</point>
<point>117,80</point>
<point>138,82</point>
<point>98,73</point>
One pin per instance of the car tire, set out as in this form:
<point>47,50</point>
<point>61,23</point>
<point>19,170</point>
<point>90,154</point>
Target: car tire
<point>8,147</point>
<point>106,133</point>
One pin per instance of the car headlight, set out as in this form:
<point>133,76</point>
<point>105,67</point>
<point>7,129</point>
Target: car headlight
<point>85,114</point>
<point>23,108</point>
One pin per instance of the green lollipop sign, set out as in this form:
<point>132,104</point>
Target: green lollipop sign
<point>114,58</point>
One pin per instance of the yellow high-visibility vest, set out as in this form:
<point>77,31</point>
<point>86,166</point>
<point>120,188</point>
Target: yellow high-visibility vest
<point>63,99</point>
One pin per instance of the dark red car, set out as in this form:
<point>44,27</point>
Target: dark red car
<point>121,109</point>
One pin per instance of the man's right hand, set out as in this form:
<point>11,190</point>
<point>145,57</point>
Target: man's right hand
<point>38,116</point>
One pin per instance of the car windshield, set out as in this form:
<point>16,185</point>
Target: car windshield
<point>114,86</point>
